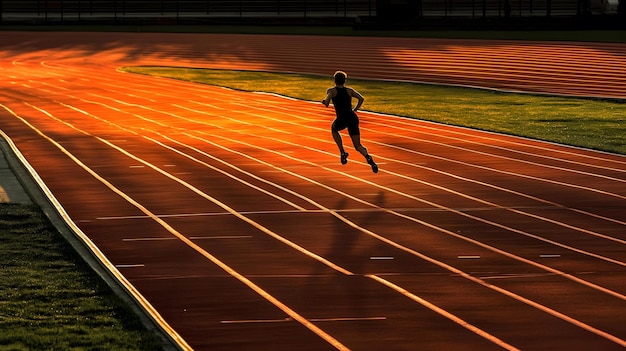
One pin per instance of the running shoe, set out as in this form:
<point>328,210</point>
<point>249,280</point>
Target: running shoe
<point>370,160</point>
<point>344,158</point>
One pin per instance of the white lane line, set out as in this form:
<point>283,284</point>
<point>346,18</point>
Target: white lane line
<point>146,239</point>
<point>381,258</point>
<point>206,214</point>
<point>191,237</point>
<point>348,319</point>
<point>246,321</point>
<point>346,210</point>
<point>444,313</point>
<point>338,319</point>
<point>130,265</point>
<point>518,276</point>
<point>275,276</point>
<point>220,237</point>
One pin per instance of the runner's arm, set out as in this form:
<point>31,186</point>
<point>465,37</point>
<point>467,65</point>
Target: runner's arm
<point>330,93</point>
<point>355,94</point>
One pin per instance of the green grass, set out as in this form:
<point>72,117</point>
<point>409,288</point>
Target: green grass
<point>51,300</point>
<point>587,123</point>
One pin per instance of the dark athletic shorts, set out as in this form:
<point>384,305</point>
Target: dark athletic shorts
<point>348,120</point>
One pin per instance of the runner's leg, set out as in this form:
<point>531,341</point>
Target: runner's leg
<point>356,141</point>
<point>338,141</point>
<point>337,137</point>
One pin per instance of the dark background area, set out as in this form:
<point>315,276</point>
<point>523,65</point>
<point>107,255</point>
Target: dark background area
<point>379,14</point>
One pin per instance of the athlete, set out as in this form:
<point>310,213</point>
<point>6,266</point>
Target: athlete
<point>341,96</point>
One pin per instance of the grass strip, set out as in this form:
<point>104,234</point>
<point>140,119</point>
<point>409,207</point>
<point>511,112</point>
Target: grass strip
<point>51,299</point>
<point>594,124</point>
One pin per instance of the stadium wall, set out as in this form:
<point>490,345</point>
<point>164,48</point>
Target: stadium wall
<point>359,12</point>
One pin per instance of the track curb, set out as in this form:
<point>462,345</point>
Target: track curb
<point>27,183</point>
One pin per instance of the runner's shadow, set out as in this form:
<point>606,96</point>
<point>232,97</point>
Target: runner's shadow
<point>349,244</point>
<point>352,249</point>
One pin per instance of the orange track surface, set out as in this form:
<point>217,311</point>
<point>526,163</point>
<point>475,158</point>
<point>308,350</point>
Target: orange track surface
<point>231,215</point>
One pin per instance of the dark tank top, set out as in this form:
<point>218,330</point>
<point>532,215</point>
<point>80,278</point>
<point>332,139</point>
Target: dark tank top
<point>342,102</point>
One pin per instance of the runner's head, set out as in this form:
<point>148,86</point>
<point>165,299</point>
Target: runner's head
<point>340,77</point>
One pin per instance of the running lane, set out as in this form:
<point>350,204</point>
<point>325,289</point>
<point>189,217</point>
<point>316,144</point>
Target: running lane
<point>230,213</point>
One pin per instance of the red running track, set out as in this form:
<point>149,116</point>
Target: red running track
<point>231,215</point>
